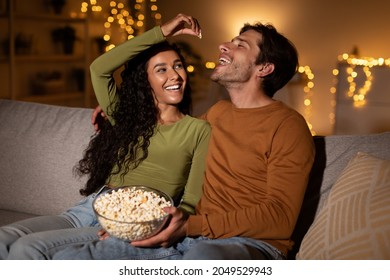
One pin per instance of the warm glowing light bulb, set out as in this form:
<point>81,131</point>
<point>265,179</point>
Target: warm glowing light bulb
<point>210,65</point>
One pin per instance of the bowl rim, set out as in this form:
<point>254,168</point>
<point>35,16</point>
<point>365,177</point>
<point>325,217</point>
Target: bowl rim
<point>147,188</point>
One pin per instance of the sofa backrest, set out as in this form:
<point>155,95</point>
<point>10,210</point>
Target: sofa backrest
<point>332,155</point>
<point>39,146</point>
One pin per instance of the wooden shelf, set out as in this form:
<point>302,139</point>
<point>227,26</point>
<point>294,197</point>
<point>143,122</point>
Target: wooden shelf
<point>48,17</point>
<point>25,63</point>
<point>48,58</point>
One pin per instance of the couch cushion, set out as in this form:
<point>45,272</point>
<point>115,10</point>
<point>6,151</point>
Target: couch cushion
<point>8,217</point>
<point>39,146</point>
<point>332,155</point>
<point>354,222</point>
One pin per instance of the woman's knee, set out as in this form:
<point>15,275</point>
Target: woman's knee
<point>28,247</point>
<point>8,235</point>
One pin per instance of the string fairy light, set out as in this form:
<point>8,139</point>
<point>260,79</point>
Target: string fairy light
<point>358,95</point>
<point>130,18</point>
<point>91,6</point>
<point>308,77</point>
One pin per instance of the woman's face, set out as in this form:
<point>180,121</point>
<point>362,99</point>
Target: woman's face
<point>167,78</point>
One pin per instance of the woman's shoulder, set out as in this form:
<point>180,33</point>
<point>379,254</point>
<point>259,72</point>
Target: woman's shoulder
<point>197,122</point>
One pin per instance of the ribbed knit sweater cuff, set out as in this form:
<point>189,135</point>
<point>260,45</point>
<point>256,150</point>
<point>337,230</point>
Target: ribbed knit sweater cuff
<point>194,225</point>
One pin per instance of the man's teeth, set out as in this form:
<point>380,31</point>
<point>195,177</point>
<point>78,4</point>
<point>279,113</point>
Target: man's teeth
<point>175,87</point>
<point>224,61</point>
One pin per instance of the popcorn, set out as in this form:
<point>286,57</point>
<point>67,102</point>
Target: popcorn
<point>131,213</point>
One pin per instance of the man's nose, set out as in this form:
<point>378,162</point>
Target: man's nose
<point>223,47</point>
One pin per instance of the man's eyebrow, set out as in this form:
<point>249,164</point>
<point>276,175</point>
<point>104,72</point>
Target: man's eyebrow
<point>240,39</point>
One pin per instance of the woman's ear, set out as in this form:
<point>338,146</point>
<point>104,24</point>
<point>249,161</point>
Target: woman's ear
<point>265,69</point>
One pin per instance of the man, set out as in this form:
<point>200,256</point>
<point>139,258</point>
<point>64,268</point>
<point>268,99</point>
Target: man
<point>257,167</point>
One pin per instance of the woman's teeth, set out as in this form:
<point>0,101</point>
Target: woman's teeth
<point>175,87</point>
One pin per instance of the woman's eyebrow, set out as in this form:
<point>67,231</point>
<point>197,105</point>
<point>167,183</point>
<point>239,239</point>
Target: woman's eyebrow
<point>164,63</point>
<point>159,64</point>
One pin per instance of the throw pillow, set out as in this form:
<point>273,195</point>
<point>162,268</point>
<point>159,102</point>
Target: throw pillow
<point>355,220</point>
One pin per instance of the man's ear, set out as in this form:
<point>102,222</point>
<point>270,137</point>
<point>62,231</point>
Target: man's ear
<point>265,69</point>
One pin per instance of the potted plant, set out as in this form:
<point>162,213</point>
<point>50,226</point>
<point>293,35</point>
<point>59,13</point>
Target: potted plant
<point>57,5</point>
<point>66,36</point>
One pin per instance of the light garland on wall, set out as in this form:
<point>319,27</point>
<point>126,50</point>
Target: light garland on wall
<point>92,6</point>
<point>358,95</point>
<point>308,77</point>
<point>131,20</point>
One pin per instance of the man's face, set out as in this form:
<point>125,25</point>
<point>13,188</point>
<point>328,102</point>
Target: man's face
<point>237,59</point>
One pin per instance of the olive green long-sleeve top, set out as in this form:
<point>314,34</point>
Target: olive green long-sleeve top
<point>257,171</point>
<point>176,155</point>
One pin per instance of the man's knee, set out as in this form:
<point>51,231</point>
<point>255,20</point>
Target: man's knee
<point>203,251</point>
<point>224,251</point>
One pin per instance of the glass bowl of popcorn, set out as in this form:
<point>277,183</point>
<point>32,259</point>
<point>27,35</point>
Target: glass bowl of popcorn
<point>133,212</point>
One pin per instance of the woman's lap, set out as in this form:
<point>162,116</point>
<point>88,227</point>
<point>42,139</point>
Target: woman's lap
<point>190,248</point>
<point>42,232</point>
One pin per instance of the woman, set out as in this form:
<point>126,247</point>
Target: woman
<point>149,139</point>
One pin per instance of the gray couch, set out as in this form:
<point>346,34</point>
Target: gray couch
<point>40,145</point>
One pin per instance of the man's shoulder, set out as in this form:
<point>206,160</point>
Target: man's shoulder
<point>287,111</point>
<point>216,109</point>
<point>220,106</point>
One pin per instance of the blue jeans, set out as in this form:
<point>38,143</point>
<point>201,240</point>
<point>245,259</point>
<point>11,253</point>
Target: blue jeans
<point>73,235</point>
<point>42,236</point>
<point>200,248</point>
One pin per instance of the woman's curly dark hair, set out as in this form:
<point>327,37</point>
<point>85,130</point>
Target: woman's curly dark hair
<point>119,148</point>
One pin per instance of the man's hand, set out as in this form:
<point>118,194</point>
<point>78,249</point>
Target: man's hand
<point>182,24</point>
<point>175,230</point>
<point>103,234</point>
<point>97,117</point>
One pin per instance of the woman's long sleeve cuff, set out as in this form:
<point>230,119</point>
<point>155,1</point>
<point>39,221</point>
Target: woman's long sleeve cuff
<point>158,33</point>
<point>194,225</point>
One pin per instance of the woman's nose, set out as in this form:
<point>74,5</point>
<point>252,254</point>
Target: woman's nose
<point>173,75</point>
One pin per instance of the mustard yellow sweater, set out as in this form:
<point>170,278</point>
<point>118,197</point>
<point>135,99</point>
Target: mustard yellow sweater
<point>257,171</point>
